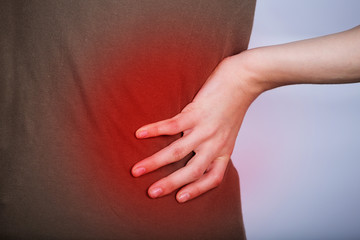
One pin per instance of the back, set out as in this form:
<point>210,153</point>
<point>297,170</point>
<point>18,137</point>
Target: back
<point>77,79</point>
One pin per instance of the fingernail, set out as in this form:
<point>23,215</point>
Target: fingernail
<point>154,193</point>
<point>142,133</point>
<point>138,171</point>
<point>183,197</point>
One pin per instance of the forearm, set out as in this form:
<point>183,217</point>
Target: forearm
<point>330,59</point>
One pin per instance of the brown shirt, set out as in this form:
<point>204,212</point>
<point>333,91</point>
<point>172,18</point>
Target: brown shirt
<point>77,78</point>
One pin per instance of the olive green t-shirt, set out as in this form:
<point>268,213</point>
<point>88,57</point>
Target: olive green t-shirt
<point>77,79</point>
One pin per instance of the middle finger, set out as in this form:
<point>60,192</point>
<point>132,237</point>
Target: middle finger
<point>172,153</point>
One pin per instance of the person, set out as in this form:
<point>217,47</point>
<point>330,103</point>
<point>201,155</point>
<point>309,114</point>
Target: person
<point>212,120</point>
<point>77,78</point>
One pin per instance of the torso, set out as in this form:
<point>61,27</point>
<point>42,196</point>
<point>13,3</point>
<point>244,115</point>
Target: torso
<point>78,79</point>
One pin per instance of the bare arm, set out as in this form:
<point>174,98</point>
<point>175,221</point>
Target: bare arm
<point>333,58</point>
<point>211,122</point>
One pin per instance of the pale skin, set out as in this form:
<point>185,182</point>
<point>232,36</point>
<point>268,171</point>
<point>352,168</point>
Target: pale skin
<point>211,122</point>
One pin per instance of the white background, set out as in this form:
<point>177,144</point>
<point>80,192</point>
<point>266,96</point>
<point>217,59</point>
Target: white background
<point>298,151</point>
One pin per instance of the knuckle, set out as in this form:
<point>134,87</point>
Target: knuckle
<point>189,108</point>
<point>168,185</point>
<point>210,131</point>
<point>225,157</point>
<point>173,124</point>
<point>177,152</point>
<point>217,179</point>
<point>222,143</point>
<point>151,163</point>
<point>155,130</point>
<point>196,172</point>
<point>195,191</point>
<point>222,139</point>
<point>155,162</point>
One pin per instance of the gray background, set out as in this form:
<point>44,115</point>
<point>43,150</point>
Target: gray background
<point>298,151</point>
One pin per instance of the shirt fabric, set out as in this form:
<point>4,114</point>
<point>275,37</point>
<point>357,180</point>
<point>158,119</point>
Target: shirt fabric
<point>77,79</point>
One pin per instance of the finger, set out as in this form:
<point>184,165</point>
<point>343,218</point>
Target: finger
<point>171,126</point>
<point>208,181</point>
<point>172,153</point>
<point>191,172</point>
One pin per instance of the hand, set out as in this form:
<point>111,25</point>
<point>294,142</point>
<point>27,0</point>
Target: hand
<point>210,125</point>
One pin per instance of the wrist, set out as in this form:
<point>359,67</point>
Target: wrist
<point>253,71</point>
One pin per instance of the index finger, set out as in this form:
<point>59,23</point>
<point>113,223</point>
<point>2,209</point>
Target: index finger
<point>171,126</point>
